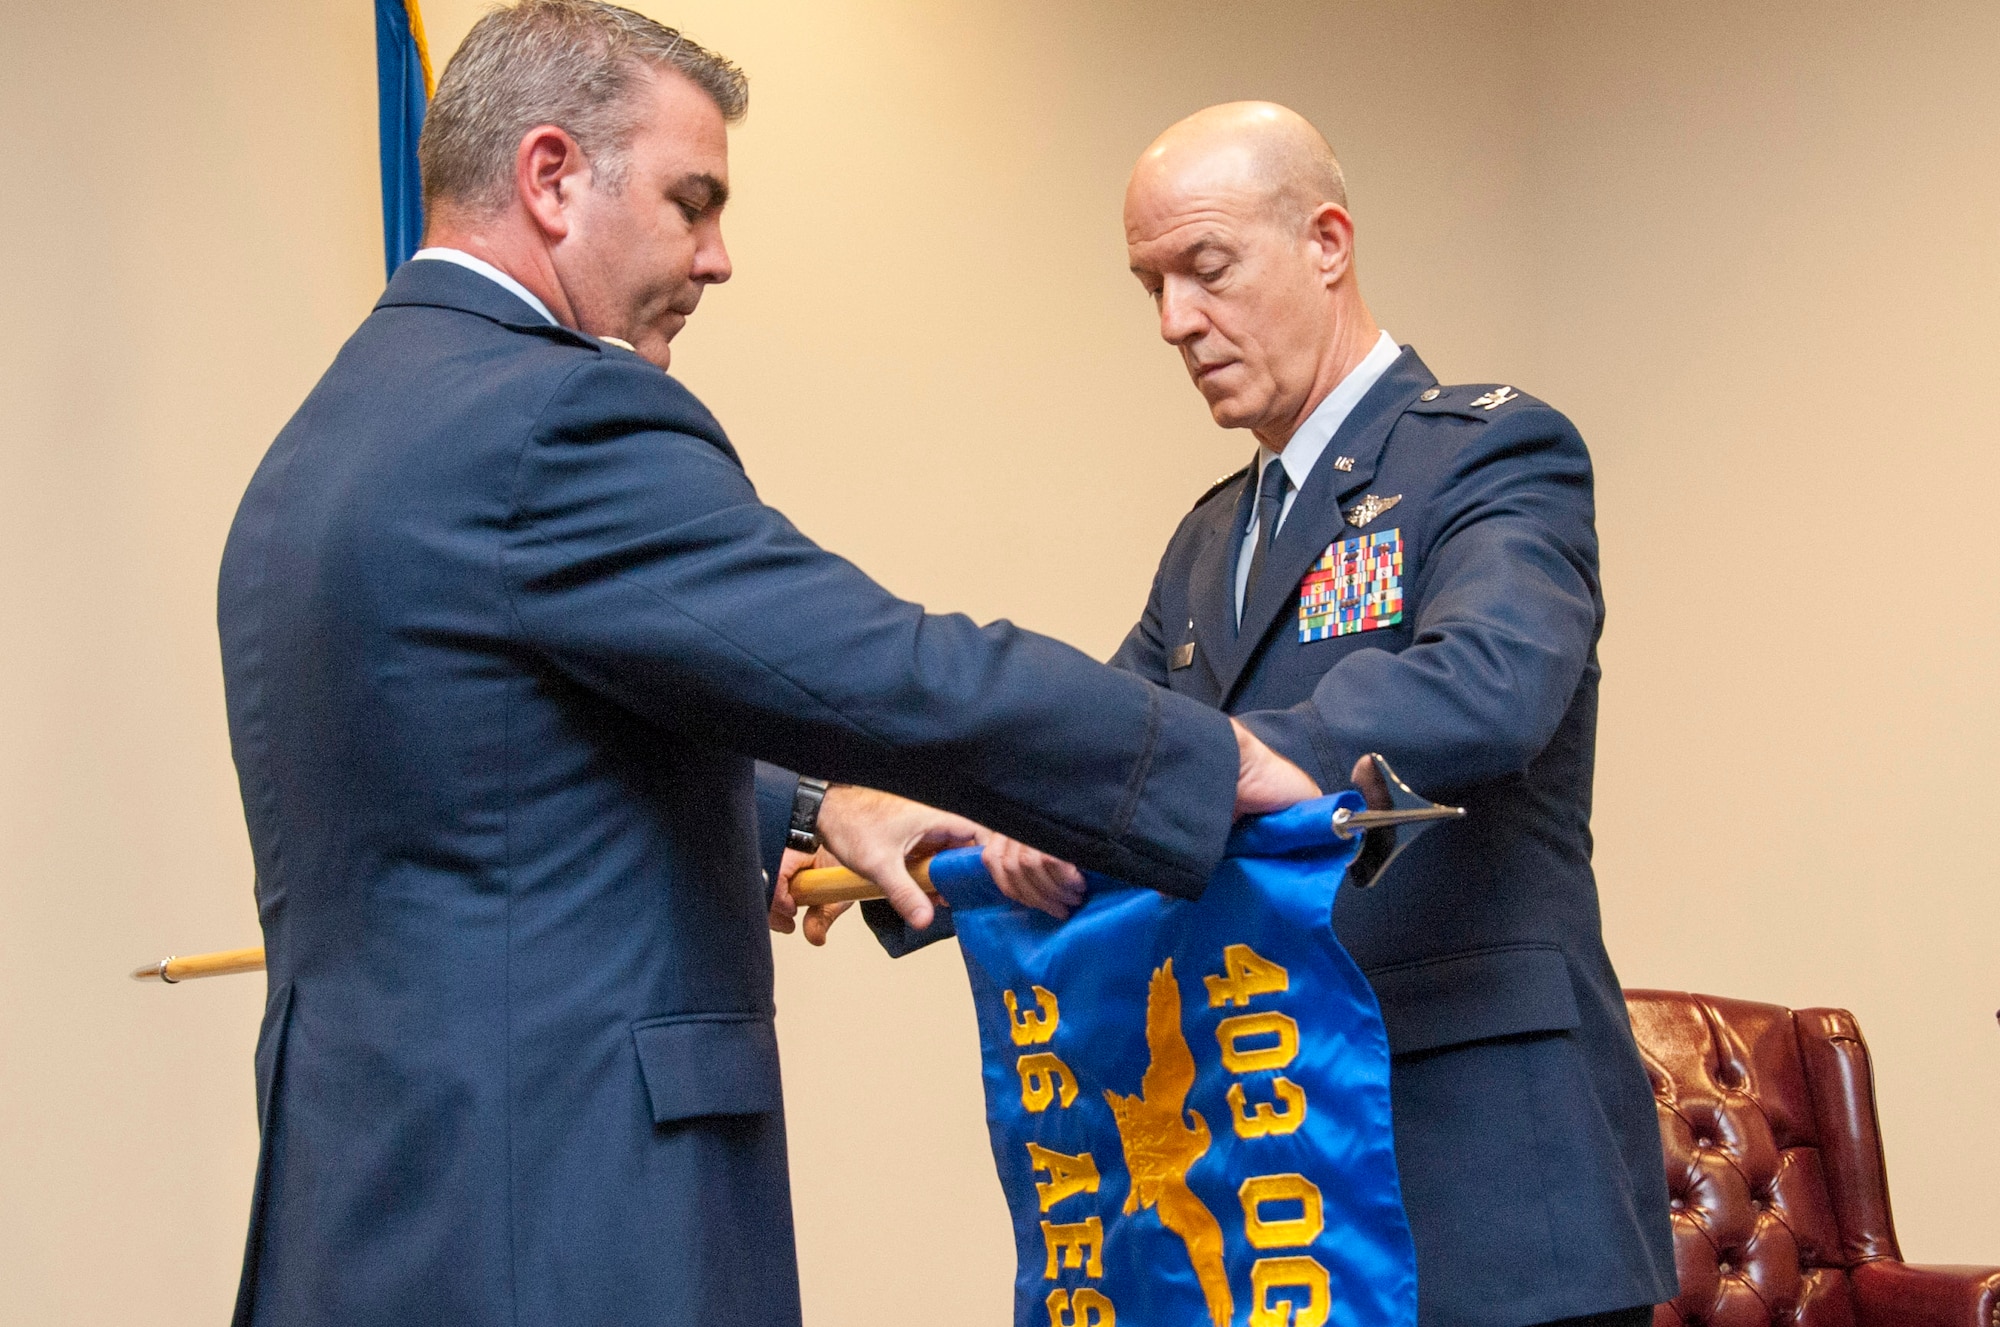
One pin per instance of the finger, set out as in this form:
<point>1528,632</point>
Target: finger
<point>1032,877</point>
<point>999,855</point>
<point>940,831</point>
<point>1054,878</point>
<point>1031,890</point>
<point>1367,779</point>
<point>1042,886</point>
<point>783,909</point>
<point>1016,871</point>
<point>1055,905</point>
<point>781,898</point>
<point>893,878</point>
<point>820,919</point>
<point>1069,881</point>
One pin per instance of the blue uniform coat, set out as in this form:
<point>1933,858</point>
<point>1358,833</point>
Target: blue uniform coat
<point>1525,1129</point>
<point>503,625</point>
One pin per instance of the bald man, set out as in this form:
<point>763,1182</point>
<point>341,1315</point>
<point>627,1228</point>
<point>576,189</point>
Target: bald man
<point>1408,568</point>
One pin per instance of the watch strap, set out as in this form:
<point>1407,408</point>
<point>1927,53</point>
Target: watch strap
<point>802,835</point>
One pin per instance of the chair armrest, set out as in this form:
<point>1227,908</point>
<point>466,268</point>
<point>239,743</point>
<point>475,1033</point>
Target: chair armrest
<point>1888,1293</point>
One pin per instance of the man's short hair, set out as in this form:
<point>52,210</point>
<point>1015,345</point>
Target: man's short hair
<point>574,64</point>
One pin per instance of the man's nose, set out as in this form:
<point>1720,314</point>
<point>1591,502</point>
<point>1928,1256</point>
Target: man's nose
<point>1180,321</point>
<point>711,260</point>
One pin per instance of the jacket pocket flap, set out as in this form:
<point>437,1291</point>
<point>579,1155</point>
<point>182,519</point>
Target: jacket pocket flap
<point>709,1064</point>
<point>1473,996</point>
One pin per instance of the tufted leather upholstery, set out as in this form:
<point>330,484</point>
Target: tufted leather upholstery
<point>1775,1174</point>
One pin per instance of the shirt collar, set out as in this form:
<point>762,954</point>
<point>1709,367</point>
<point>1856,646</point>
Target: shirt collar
<point>1303,451</point>
<point>491,273</point>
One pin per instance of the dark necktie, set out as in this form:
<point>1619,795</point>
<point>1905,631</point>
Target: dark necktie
<point>1270,506</point>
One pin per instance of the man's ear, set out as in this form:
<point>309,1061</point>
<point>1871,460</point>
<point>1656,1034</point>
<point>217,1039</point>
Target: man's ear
<point>549,169</point>
<point>1333,234</point>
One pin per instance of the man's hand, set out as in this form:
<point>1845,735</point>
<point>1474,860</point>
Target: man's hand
<point>820,917</point>
<point>874,834</point>
<point>1032,877</point>
<point>1265,780</point>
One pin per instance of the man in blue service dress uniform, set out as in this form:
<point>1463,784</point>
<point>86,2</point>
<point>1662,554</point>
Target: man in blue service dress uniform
<point>503,624</point>
<point>1411,569</point>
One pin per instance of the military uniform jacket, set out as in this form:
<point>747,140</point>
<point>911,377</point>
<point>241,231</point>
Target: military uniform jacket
<point>1433,595</point>
<point>503,625</point>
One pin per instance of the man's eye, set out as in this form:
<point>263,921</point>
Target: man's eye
<point>691,211</point>
<point>1210,274</point>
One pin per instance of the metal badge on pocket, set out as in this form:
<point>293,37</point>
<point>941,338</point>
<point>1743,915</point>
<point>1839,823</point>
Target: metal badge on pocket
<point>1357,585</point>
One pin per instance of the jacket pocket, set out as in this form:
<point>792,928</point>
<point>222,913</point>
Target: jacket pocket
<point>709,1064</point>
<point>1475,995</point>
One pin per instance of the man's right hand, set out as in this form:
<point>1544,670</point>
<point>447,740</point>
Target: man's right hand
<point>875,834</point>
<point>1265,780</point>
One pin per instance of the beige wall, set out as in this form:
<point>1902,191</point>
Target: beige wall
<point>1751,256</point>
<point>1766,286</point>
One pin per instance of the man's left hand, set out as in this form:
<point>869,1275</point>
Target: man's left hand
<point>820,917</point>
<point>1030,876</point>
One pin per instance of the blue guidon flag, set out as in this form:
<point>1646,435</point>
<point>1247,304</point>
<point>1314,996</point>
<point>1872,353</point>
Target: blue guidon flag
<point>403,86</point>
<point>1189,1101</point>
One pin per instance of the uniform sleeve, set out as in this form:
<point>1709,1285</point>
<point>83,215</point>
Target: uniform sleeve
<point>1506,617</point>
<point>644,568</point>
<point>1143,652</point>
<point>777,788</point>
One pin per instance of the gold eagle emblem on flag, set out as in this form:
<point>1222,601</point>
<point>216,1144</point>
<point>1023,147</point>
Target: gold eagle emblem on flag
<point>1161,1146</point>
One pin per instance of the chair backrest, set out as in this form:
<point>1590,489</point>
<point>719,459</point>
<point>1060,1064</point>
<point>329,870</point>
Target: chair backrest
<point>1774,1161</point>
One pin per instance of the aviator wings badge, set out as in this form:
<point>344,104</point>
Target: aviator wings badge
<point>1369,508</point>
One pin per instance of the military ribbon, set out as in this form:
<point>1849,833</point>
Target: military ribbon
<point>1189,1101</point>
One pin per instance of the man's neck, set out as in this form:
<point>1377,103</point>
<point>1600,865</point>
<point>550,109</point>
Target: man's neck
<point>517,254</point>
<point>1355,336</point>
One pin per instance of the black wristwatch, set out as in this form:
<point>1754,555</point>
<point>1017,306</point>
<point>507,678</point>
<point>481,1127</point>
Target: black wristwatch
<point>803,833</point>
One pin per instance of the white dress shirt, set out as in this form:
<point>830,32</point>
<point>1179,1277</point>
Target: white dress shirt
<point>1306,445</point>
<point>490,272</point>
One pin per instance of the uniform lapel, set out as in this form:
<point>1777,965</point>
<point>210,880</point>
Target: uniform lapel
<point>1212,593</point>
<point>1315,520</point>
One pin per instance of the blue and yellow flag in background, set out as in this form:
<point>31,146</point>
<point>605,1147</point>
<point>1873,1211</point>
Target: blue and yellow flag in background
<point>1189,1101</point>
<point>404,83</point>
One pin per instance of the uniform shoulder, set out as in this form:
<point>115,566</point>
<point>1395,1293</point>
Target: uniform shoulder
<point>611,389</point>
<point>1218,486</point>
<point>1482,401</point>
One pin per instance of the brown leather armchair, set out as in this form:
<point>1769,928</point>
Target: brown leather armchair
<point>1775,1174</point>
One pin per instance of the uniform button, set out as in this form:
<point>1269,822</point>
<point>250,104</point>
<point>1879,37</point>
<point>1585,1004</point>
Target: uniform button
<point>1433,395</point>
